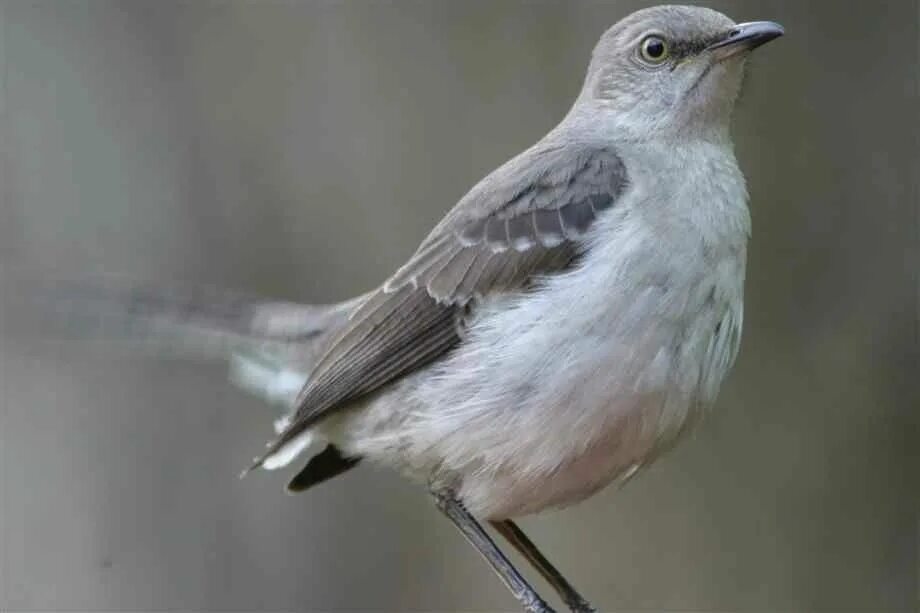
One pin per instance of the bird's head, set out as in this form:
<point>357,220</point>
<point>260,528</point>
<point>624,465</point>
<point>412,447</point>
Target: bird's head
<point>672,70</point>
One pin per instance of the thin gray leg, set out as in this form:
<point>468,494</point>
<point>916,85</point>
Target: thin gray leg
<point>569,595</point>
<point>483,543</point>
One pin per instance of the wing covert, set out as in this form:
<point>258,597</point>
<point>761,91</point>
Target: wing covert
<point>523,221</point>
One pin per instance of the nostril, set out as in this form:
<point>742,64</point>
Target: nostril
<point>734,33</point>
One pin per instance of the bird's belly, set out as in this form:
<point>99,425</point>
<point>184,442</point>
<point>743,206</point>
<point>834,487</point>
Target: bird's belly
<point>613,456</point>
<point>542,436</point>
<point>530,461</point>
<point>553,396</point>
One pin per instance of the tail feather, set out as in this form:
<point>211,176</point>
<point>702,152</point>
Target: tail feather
<point>263,375</point>
<point>271,346</point>
<point>193,321</point>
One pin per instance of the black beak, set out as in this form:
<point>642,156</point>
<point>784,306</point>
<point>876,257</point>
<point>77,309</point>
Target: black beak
<point>744,37</point>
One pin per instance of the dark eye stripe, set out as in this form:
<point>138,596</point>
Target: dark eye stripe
<point>687,48</point>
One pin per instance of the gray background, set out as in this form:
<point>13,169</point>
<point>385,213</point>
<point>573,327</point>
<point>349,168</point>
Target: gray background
<point>300,150</point>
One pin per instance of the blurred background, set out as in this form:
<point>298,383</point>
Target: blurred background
<point>300,150</point>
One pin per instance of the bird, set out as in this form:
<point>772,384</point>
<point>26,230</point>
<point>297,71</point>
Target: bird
<point>562,326</point>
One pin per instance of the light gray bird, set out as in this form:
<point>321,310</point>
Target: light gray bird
<point>563,324</point>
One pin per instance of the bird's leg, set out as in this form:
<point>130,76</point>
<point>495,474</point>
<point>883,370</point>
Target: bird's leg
<point>514,535</point>
<point>479,538</point>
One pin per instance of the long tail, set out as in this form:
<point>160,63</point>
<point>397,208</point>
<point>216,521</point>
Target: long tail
<point>271,346</point>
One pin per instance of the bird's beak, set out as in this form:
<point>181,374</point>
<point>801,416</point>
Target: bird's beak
<point>745,37</point>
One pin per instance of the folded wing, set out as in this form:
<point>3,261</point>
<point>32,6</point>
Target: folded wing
<point>523,221</point>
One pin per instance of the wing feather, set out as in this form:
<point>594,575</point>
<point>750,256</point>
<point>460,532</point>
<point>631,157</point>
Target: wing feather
<point>523,221</point>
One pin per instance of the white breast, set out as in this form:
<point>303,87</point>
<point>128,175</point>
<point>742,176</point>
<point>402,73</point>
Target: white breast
<point>557,392</point>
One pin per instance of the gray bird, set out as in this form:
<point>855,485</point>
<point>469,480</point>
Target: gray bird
<point>562,326</point>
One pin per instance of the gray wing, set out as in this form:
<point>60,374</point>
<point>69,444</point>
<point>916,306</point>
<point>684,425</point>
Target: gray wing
<point>521,222</point>
<point>499,235</point>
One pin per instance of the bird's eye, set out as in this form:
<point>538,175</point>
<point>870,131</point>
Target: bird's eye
<point>654,49</point>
